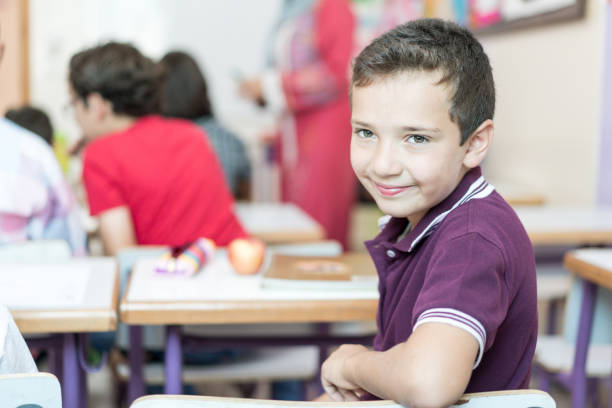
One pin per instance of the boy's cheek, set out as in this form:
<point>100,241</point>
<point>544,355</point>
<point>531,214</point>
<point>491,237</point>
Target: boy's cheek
<point>359,158</point>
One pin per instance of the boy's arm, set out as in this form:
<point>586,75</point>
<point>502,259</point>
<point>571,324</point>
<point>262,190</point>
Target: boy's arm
<point>431,369</point>
<point>116,229</point>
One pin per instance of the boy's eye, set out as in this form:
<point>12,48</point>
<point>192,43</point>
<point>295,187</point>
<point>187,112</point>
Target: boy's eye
<point>417,139</point>
<point>364,133</point>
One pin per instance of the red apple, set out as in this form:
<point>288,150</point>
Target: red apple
<point>246,255</point>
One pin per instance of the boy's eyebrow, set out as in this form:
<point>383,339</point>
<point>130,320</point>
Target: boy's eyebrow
<point>404,128</point>
<point>420,129</point>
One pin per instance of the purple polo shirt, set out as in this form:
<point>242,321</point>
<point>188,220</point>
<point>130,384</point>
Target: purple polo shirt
<point>468,263</point>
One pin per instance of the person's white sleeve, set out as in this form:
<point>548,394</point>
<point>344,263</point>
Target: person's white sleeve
<point>272,88</point>
<point>15,357</point>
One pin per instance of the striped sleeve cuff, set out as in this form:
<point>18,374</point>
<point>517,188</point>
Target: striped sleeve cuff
<point>457,319</point>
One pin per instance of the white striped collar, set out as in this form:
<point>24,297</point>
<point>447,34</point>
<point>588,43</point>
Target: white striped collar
<point>479,189</point>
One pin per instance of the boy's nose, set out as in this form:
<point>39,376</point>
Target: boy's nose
<point>384,162</point>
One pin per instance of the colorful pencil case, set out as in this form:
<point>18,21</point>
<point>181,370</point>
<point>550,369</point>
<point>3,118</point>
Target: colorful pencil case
<point>186,260</point>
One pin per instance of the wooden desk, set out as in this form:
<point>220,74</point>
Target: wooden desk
<point>218,295</point>
<point>565,225</point>
<point>276,223</point>
<point>83,299</point>
<point>594,266</point>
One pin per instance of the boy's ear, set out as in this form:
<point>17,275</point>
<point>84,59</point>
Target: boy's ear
<point>478,144</point>
<point>100,106</point>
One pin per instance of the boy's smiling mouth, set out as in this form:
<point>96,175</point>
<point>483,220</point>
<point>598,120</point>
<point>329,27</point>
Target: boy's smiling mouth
<point>390,191</point>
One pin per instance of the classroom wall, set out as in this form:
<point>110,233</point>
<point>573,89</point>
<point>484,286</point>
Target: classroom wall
<point>226,37</point>
<point>549,86</point>
<point>604,182</point>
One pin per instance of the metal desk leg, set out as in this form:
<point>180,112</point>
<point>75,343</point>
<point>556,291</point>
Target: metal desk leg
<point>54,345</point>
<point>136,387</point>
<point>71,372</point>
<point>610,384</point>
<point>83,394</point>
<point>551,324</point>
<point>174,360</point>
<point>578,379</point>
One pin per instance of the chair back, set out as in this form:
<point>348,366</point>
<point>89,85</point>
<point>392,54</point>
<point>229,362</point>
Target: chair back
<point>38,390</point>
<point>498,399</point>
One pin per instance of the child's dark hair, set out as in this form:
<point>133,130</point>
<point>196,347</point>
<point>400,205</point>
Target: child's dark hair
<point>120,74</point>
<point>33,119</point>
<point>435,45</point>
<point>184,93</point>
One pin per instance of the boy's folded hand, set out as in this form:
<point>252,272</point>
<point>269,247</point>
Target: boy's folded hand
<point>336,377</point>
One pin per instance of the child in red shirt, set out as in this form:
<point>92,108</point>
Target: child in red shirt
<point>149,180</point>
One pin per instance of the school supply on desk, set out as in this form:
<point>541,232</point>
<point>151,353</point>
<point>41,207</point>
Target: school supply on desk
<point>186,260</point>
<point>246,255</point>
<point>347,271</point>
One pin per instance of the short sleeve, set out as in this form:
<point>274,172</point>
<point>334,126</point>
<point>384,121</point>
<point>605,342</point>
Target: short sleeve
<point>465,287</point>
<point>102,181</point>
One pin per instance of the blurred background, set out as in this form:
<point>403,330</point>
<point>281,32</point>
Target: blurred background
<point>550,74</point>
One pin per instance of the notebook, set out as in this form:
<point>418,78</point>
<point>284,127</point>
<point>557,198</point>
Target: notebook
<point>347,271</point>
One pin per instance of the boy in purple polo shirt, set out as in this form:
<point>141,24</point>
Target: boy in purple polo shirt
<point>457,310</point>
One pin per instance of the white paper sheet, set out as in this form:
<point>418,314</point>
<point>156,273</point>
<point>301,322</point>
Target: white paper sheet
<point>218,282</point>
<point>43,286</point>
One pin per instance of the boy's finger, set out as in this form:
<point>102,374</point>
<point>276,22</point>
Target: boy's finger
<point>331,390</point>
<point>348,395</point>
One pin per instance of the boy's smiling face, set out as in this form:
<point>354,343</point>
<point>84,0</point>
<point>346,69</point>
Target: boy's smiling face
<point>405,147</point>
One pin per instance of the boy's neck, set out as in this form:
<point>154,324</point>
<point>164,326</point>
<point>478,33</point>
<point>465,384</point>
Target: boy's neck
<point>118,123</point>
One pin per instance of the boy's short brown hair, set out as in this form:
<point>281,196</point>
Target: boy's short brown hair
<point>435,45</point>
<point>120,74</point>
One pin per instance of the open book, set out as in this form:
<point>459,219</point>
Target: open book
<point>348,271</point>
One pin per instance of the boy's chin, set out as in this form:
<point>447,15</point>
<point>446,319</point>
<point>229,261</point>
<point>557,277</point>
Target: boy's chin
<point>393,210</point>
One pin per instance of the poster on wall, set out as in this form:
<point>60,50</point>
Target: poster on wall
<point>515,9</point>
<point>489,16</point>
